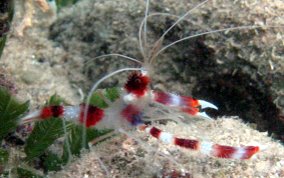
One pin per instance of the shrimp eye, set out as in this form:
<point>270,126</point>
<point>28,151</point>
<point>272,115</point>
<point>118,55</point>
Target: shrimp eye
<point>137,83</point>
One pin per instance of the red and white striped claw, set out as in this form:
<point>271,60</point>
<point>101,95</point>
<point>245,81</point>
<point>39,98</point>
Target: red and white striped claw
<point>186,104</point>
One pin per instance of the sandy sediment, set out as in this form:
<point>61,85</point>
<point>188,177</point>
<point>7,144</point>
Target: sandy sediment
<point>127,158</point>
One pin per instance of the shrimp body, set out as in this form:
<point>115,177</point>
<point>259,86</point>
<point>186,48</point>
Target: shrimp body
<point>128,110</point>
<point>135,98</point>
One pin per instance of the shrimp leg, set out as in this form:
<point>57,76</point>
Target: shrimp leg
<point>208,148</point>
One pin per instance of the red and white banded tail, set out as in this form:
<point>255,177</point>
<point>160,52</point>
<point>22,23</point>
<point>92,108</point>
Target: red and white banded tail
<point>208,148</point>
<point>71,113</point>
<point>45,113</point>
<point>186,104</point>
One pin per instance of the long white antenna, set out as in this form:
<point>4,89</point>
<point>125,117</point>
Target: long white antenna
<point>142,24</point>
<point>115,54</point>
<point>145,28</point>
<point>211,32</point>
<point>181,18</point>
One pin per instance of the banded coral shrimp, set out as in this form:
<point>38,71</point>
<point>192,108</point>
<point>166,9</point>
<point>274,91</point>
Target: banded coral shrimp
<point>130,98</point>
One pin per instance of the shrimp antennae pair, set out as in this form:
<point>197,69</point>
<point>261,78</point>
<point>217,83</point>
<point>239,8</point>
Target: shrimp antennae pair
<point>159,41</point>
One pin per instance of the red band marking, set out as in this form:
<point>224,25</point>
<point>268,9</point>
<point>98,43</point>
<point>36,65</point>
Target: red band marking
<point>189,102</point>
<point>163,98</point>
<point>222,151</point>
<point>94,115</point>
<point>191,111</point>
<point>250,151</point>
<point>155,132</point>
<point>187,143</point>
<point>51,111</point>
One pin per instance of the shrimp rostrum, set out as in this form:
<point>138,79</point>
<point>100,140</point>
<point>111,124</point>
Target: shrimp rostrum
<point>132,110</point>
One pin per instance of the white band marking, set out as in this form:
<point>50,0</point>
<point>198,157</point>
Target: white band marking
<point>206,147</point>
<point>239,153</point>
<point>175,100</point>
<point>166,137</point>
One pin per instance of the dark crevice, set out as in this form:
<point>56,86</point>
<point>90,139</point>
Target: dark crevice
<point>236,93</point>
